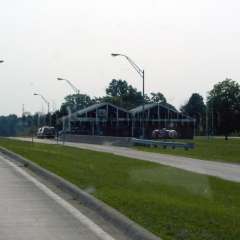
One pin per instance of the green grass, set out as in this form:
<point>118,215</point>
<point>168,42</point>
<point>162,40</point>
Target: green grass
<point>212,149</point>
<point>172,203</point>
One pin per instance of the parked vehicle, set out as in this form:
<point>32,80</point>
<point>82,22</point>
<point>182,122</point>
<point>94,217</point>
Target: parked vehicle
<point>46,132</point>
<point>164,133</point>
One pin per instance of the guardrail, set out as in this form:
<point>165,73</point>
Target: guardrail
<point>164,144</point>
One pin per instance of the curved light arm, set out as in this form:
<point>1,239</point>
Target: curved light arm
<point>75,89</point>
<point>134,65</point>
<point>44,99</point>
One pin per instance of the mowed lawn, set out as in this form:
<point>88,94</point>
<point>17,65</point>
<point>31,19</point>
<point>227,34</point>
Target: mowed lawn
<point>207,149</point>
<point>172,203</point>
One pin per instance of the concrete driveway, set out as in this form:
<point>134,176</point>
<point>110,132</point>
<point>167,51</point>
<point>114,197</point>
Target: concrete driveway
<point>31,211</point>
<point>225,171</point>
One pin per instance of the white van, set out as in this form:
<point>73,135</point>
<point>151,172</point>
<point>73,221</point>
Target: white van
<point>46,132</point>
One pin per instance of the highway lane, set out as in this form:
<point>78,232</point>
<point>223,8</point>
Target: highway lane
<point>29,210</point>
<point>222,170</point>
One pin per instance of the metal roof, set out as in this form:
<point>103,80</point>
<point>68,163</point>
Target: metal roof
<point>93,107</point>
<point>132,111</point>
<point>149,106</point>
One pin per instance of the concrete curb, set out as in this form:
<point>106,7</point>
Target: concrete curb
<point>127,226</point>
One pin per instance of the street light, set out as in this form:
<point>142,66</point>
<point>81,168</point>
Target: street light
<point>142,74</point>
<point>75,89</point>
<point>44,99</point>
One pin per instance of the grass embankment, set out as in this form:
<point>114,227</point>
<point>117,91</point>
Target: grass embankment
<point>206,149</point>
<point>172,203</point>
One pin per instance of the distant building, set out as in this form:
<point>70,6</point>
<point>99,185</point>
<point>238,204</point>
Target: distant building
<point>106,119</point>
<point>158,116</point>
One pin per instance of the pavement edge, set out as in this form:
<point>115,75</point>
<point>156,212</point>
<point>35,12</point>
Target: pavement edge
<point>127,226</point>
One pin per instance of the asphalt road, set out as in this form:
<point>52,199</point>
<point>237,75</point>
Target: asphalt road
<point>225,171</point>
<point>29,210</point>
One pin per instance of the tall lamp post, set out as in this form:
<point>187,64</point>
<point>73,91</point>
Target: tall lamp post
<point>142,74</point>
<point>74,88</point>
<point>46,101</point>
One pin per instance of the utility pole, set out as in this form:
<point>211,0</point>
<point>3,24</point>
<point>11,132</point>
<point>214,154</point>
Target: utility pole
<point>207,127</point>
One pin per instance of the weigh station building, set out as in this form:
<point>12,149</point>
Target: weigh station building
<point>106,119</point>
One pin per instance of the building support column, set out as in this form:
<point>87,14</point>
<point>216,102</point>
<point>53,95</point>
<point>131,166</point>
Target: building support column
<point>133,126</point>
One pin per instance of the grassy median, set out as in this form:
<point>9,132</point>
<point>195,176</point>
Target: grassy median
<point>207,149</point>
<point>172,203</point>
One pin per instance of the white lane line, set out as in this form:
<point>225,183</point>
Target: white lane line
<point>98,231</point>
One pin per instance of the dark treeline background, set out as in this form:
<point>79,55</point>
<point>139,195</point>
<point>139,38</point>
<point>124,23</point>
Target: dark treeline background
<point>220,115</point>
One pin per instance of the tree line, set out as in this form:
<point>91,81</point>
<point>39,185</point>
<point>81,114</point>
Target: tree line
<point>219,115</point>
<point>119,93</point>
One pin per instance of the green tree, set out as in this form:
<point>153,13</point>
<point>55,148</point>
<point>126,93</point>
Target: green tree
<point>120,93</point>
<point>157,98</point>
<point>196,109</point>
<point>75,102</point>
<point>224,101</point>
<point>117,88</point>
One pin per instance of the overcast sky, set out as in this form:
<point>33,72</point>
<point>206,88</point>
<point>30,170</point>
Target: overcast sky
<point>184,46</point>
